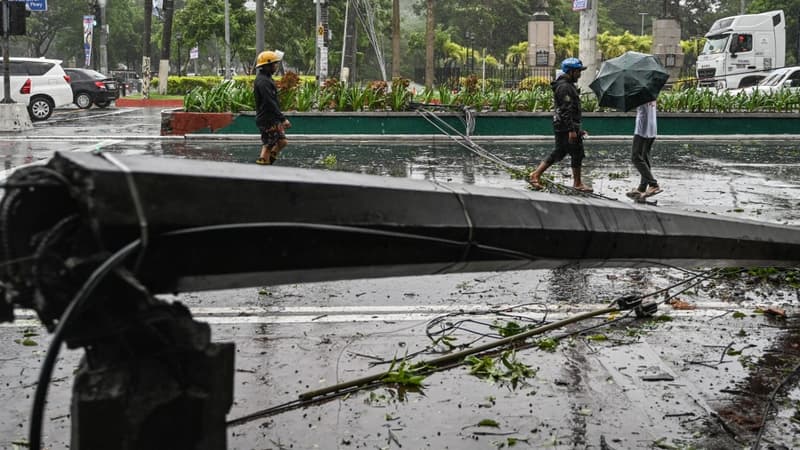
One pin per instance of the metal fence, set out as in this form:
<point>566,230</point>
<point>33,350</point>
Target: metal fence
<point>509,77</point>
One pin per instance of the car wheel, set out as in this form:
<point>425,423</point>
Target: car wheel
<point>40,108</point>
<point>102,104</point>
<point>83,100</point>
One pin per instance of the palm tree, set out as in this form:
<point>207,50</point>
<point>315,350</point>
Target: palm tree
<point>517,54</point>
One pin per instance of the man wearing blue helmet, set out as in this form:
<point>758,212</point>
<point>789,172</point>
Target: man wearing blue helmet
<point>566,125</point>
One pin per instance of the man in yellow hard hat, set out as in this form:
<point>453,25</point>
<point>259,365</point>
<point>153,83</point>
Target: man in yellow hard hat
<point>269,118</point>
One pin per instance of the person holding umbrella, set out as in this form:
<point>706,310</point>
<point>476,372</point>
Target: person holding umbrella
<point>643,137</point>
<point>566,125</point>
<point>634,80</point>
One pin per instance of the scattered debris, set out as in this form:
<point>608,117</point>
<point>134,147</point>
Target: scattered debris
<point>681,305</point>
<point>504,369</point>
<point>775,312</point>
<point>663,376</point>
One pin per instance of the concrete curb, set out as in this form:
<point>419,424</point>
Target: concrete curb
<point>489,139</point>
<point>404,138</point>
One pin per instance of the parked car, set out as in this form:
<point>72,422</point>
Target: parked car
<point>90,87</point>
<point>783,78</point>
<point>39,83</point>
<point>128,80</point>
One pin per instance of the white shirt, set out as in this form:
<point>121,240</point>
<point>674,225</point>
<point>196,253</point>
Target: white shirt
<point>646,120</point>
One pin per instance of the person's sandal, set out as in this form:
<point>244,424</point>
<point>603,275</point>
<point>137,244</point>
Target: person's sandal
<point>635,194</point>
<point>652,190</point>
<point>584,188</point>
<point>263,162</point>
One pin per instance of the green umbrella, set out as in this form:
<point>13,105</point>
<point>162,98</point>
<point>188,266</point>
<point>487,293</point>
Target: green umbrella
<point>629,80</point>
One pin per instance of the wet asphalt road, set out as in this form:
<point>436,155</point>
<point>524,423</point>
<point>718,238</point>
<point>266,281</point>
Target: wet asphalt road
<point>294,338</point>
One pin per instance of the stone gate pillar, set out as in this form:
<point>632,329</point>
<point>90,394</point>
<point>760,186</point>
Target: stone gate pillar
<point>541,52</point>
<point>667,46</point>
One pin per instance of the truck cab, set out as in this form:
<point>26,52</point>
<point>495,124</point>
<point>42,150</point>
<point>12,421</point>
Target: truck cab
<point>741,50</point>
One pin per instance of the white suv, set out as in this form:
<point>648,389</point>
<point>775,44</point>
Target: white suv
<point>39,83</point>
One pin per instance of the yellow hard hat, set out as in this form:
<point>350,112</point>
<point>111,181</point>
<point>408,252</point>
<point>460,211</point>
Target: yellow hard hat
<point>269,57</point>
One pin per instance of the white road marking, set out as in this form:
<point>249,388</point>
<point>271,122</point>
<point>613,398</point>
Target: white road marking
<point>98,145</point>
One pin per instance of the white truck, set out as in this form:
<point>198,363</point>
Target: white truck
<point>741,50</point>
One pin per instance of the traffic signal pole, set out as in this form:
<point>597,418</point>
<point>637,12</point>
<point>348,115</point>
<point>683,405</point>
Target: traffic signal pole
<point>13,116</point>
<point>6,69</point>
<point>103,37</point>
<point>587,50</point>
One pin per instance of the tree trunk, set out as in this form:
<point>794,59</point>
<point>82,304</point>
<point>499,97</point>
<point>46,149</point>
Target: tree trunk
<point>166,35</point>
<point>148,28</point>
<point>395,38</point>
<point>430,37</point>
<point>166,50</point>
<point>148,31</point>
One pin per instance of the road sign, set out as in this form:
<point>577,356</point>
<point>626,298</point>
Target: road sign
<point>37,5</point>
<point>580,5</point>
<point>194,53</point>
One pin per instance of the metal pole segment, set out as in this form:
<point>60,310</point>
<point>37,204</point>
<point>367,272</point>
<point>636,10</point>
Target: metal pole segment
<point>103,37</point>
<point>259,26</point>
<point>227,74</point>
<point>317,46</point>
<point>6,60</point>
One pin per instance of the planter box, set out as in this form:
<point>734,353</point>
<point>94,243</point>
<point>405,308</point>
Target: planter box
<point>493,124</point>
<point>149,102</point>
<point>182,123</point>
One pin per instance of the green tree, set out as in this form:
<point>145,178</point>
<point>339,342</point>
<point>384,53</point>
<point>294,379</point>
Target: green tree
<point>290,27</point>
<point>126,23</point>
<point>566,46</point>
<point>611,46</point>
<point>60,28</point>
<point>478,24</point>
<point>517,55</point>
<point>791,8</point>
<point>203,22</point>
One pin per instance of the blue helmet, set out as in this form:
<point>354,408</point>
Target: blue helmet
<point>572,64</point>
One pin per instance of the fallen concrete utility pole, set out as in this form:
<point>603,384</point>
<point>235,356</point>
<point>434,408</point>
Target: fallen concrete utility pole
<point>67,230</point>
<point>296,225</point>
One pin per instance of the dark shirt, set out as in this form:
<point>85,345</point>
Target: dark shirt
<point>268,112</point>
<point>567,114</point>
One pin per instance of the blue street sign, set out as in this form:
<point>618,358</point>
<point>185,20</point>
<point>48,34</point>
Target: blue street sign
<point>37,5</point>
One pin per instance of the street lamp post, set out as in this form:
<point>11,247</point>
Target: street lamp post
<point>6,61</point>
<point>472,52</point>
<point>179,38</point>
<point>103,37</point>
<point>642,31</point>
<point>467,64</point>
<point>227,75</point>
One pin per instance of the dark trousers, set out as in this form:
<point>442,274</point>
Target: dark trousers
<point>564,148</point>
<point>640,157</point>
